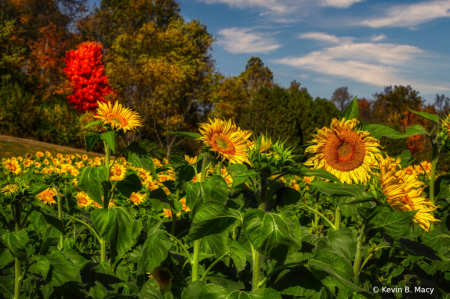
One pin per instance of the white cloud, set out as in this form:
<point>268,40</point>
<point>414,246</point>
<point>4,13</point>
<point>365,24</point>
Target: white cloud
<point>378,38</point>
<point>378,64</point>
<point>339,3</point>
<point>320,36</point>
<point>411,15</point>
<point>245,40</point>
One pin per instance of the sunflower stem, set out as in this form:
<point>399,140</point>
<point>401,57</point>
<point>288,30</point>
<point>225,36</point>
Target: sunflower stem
<point>316,207</point>
<point>102,250</point>
<point>359,251</point>
<point>58,197</point>
<point>219,168</point>
<point>433,170</point>
<point>196,260</point>
<point>17,266</point>
<point>337,218</point>
<point>256,268</point>
<point>263,194</point>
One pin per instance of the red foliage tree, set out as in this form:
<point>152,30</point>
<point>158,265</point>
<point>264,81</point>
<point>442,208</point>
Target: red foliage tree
<point>85,70</point>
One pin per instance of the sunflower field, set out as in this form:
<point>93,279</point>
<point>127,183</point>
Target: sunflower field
<point>247,218</point>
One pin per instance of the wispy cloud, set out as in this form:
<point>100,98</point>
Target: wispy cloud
<point>411,15</point>
<point>379,64</point>
<point>246,40</point>
<point>324,37</point>
<point>378,38</point>
<point>339,3</point>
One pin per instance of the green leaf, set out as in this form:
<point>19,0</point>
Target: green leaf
<point>140,158</point>
<point>90,139</point>
<point>154,252</point>
<point>193,290</point>
<point>92,123</point>
<point>187,134</point>
<point>118,226</point>
<point>55,222</point>
<point>212,218</point>
<point>26,177</point>
<point>387,220</point>
<point>343,241</point>
<point>37,188</point>
<point>406,159</point>
<point>274,235</point>
<point>5,257</point>
<point>320,173</point>
<point>213,188</point>
<point>213,291</point>
<point>90,181</point>
<point>108,137</point>
<point>240,173</point>
<point>131,183</point>
<point>177,161</point>
<point>378,131</point>
<point>15,242</point>
<point>61,270</point>
<point>217,244</point>
<point>148,291</point>
<point>340,189</point>
<point>430,116</point>
<point>238,256</point>
<point>42,264</point>
<point>7,286</point>
<point>351,111</point>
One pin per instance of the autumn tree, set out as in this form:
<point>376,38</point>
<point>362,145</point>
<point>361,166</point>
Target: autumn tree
<point>341,98</point>
<point>365,110</point>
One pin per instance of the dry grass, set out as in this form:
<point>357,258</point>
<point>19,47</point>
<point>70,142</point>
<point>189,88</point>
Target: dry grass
<point>14,147</point>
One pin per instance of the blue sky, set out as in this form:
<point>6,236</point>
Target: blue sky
<point>325,44</point>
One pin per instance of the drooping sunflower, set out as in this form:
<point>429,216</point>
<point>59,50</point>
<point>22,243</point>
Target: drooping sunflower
<point>46,196</point>
<point>343,151</point>
<point>10,189</point>
<point>83,200</point>
<point>404,192</point>
<point>224,138</point>
<point>118,117</point>
<point>164,278</point>
<point>137,198</point>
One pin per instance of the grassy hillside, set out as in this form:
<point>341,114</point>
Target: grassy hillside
<point>14,147</point>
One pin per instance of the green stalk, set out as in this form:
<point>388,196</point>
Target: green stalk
<point>256,268</point>
<point>219,168</point>
<point>108,178</point>
<point>433,171</point>
<point>263,194</point>
<point>337,218</point>
<point>107,158</point>
<point>102,251</point>
<point>319,214</point>
<point>17,269</point>
<point>61,238</point>
<point>359,251</point>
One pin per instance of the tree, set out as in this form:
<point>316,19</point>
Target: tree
<point>442,103</point>
<point>341,98</point>
<point>365,110</point>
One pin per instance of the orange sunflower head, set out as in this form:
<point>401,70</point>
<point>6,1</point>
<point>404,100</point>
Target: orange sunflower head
<point>13,166</point>
<point>120,118</point>
<point>83,200</point>
<point>137,198</point>
<point>344,151</point>
<point>164,278</point>
<point>167,213</point>
<point>46,196</point>
<point>39,154</point>
<point>117,172</point>
<point>28,156</point>
<point>228,141</point>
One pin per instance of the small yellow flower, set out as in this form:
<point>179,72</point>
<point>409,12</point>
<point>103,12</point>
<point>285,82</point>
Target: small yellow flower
<point>294,185</point>
<point>27,163</point>
<point>46,162</point>
<point>59,156</point>
<point>48,154</point>
<point>84,157</point>
<point>37,164</point>
<point>185,207</point>
<point>39,154</point>
<point>78,156</point>
<point>136,198</point>
<point>167,213</point>
<point>118,117</point>
<point>157,163</point>
<point>308,179</point>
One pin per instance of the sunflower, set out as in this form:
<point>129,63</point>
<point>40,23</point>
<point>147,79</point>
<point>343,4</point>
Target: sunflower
<point>83,200</point>
<point>20,159</point>
<point>226,140</point>
<point>136,198</point>
<point>84,157</point>
<point>167,213</point>
<point>37,164</point>
<point>190,160</point>
<point>59,156</point>
<point>164,278</point>
<point>151,184</point>
<point>46,162</point>
<point>143,174</point>
<point>118,117</point>
<point>404,192</point>
<point>46,196</point>
<point>28,156</point>
<point>39,154</point>
<point>344,152</point>
<point>294,185</point>
<point>426,165</point>
<point>117,172</point>
<point>27,163</point>
<point>13,166</point>
<point>10,189</point>
<point>185,207</point>
<point>48,154</point>
<point>157,163</point>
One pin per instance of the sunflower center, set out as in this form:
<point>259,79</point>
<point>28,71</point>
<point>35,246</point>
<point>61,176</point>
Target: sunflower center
<point>344,152</point>
<point>83,201</point>
<point>118,121</point>
<point>223,144</point>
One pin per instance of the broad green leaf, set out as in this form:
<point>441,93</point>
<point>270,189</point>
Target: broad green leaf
<point>55,222</point>
<point>240,173</point>
<point>92,123</point>
<point>117,225</point>
<point>387,220</point>
<point>7,286</point>
<point>15,242</point>
<point>177,161</point>
<point>213,188</point>
<point>320,173</point>
<point>187,134</point>
<point>378,131</point>
<point>26,177</point>
<point>212,218</point>
<point>43,265</point>
<point>340,189</point>
<point>90,181</point>
<point>149,291</point>
<point>104,274</point>
<point>343,241</point>
<point>213,291</point>
<point>430,116</point>
<point>90,139</point>
<point>351,111</point>
<point>193,290</point>
<point>37,188</point>
<point>5,257</point>
<point>159,200</point>
<point>108,137</point>
<point>238,256</point>
<point>217,244</point>
<point>406,159</point>
<point>61,270</point>
<point>131,183</point>
<point>274,235</point>
<point>419,249</point>
<point>154,252</point>
<point>140,158</point>
<point>439,239</point>
<point>74,257</point>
